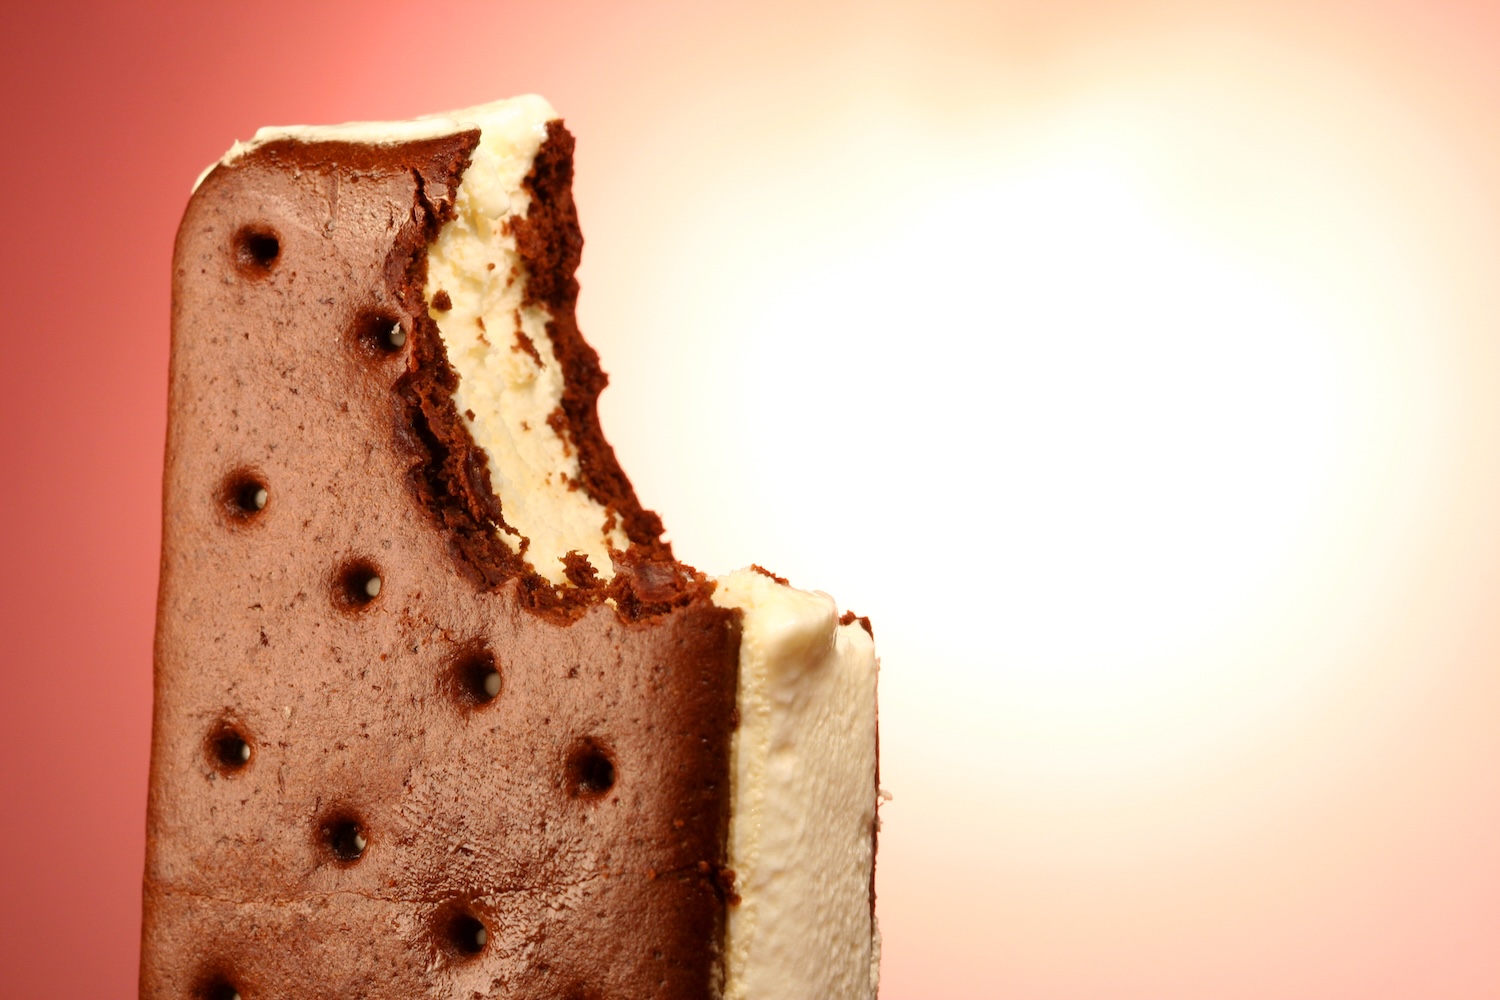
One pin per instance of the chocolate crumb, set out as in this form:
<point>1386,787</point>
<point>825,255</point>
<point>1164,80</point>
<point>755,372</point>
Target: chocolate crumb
<point>558,421</point>
<point>646,585</point>
<point>441,300</point>
<point>724,883</point>
<point>849,618</point>
<point>765,572</point>
<point>581,574</point>
<point>525,345</point>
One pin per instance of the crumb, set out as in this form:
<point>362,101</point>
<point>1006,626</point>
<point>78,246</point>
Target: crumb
<point>849,618</point>
<point>765,572</point>
<point>525,345</point>
<point>441,300</point>
<point>581,574</point>
<point>724,882</point>
<point>558,421</point>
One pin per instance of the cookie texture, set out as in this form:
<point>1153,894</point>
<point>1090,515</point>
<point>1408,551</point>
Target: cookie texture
<point>388,761</point>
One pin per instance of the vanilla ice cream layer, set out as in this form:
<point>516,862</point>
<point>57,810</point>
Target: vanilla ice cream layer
<point>509,379</point>
<point>803,771</point>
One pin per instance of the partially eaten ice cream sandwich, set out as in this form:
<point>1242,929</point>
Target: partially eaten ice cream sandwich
<point>438,712</point>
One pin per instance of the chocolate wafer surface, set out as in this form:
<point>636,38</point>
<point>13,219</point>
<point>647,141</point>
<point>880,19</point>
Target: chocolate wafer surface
<point>383,766</point>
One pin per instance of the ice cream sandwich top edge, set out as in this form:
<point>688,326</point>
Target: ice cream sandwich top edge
<point>384,133</point>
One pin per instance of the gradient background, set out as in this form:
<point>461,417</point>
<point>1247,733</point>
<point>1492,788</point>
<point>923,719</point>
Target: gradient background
<point>1135,366</point>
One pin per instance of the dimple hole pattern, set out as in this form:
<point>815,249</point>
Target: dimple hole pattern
<point>244,495</point>
<point>358,585</point>
<point>344,836</point>
<point>475,678</point>
<point>256,250</point>
<point>590,770</point>
<point>229,749</point>
<point>475,673</point>
<point>379,332</point>
<point>219,989</point>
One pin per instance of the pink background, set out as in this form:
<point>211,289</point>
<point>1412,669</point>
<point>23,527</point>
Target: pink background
<point>1182,315</point>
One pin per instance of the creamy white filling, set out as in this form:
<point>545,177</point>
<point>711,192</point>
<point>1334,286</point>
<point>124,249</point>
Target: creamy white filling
<point>804,797</point>
<point>508,376</point>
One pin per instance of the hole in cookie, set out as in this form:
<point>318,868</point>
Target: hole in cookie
<point>379,333</point>
<point>462,933</point>
<point>218,989</point>
<point>590,772</point>
<point>256,250</point>
<point>344,837</point>
<point>244,495</point>
<point>476,677</point>
<point>357,586</point>
<point>229,749</point>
